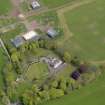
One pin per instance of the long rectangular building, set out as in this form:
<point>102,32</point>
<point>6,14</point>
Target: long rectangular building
<point>30,35</point>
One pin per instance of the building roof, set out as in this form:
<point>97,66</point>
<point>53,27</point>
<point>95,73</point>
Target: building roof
<point>35,4</point>
<point>75,75</point>
<point>17,41</point>
<point>55,63</point>
<point>52,33</point>
<point>30,35</point>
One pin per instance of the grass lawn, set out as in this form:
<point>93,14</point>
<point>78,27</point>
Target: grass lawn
<point>36,71</point>
<point>7,36</point>
<point>55,3</point>
<point>5,22</point>
<point>5,6</point>
<point>87,25</point>
<point>93,94</point>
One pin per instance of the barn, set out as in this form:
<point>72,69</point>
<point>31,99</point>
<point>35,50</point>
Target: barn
<point>30,35</point>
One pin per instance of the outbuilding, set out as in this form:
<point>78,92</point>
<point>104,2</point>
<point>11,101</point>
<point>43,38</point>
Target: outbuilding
<point>30,35</point>
<point>75,75</point>
<point>52,33</point>
<point>18,41</point>
<point>35,4</point>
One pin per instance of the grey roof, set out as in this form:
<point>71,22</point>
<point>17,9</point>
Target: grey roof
<point>52,33</point>
<point>17,41</point>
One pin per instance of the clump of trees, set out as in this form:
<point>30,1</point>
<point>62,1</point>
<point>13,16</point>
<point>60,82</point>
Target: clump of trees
<point>55,88</point>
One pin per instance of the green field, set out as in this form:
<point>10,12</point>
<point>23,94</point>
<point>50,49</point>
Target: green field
<point>87,23</point>
<point>55,3</point>
<point>93,94</point>
<point>36,71</point>
<point>5,6</point>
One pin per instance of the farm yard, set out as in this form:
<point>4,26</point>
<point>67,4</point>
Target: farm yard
<point>56,49</point>
<point>5,6</point>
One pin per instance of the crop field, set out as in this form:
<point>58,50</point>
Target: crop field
<point>87,24</point>
<point>92,94</point>
<point>5,6</point>
<point>55,3</point>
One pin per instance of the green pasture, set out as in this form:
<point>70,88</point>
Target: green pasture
<point>87,23</point>
<point>5,6</point>
<point>55,3</point>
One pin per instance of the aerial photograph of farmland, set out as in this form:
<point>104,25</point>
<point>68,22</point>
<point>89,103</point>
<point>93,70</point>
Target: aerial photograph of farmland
<point>52,52</point>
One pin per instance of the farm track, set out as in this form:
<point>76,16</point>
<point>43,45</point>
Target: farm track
<point>98,62</point>
<point>60,11</point>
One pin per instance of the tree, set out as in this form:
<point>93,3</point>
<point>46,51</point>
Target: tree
<point>56,93</point>
<point>54,84</point>
<point>14,57</point>
<point>67,57</point>
<point>22,48</point>
<point>63,85</point>
<point>44,95</point>
<point>76,61</point>
<point>30,98</point>
<point>35,89</point>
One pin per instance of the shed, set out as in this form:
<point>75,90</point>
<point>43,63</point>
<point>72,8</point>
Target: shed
<point>18,41</point>
<point>52,32</point>
<point>35,4</point>
<point>75,75</point>
<point>30,35</point>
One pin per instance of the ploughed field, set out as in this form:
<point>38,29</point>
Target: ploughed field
<point>87,23</point>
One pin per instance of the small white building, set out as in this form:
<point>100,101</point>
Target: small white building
<point>30,35</point>
<point>35,4</point>
<point>52,33</point>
